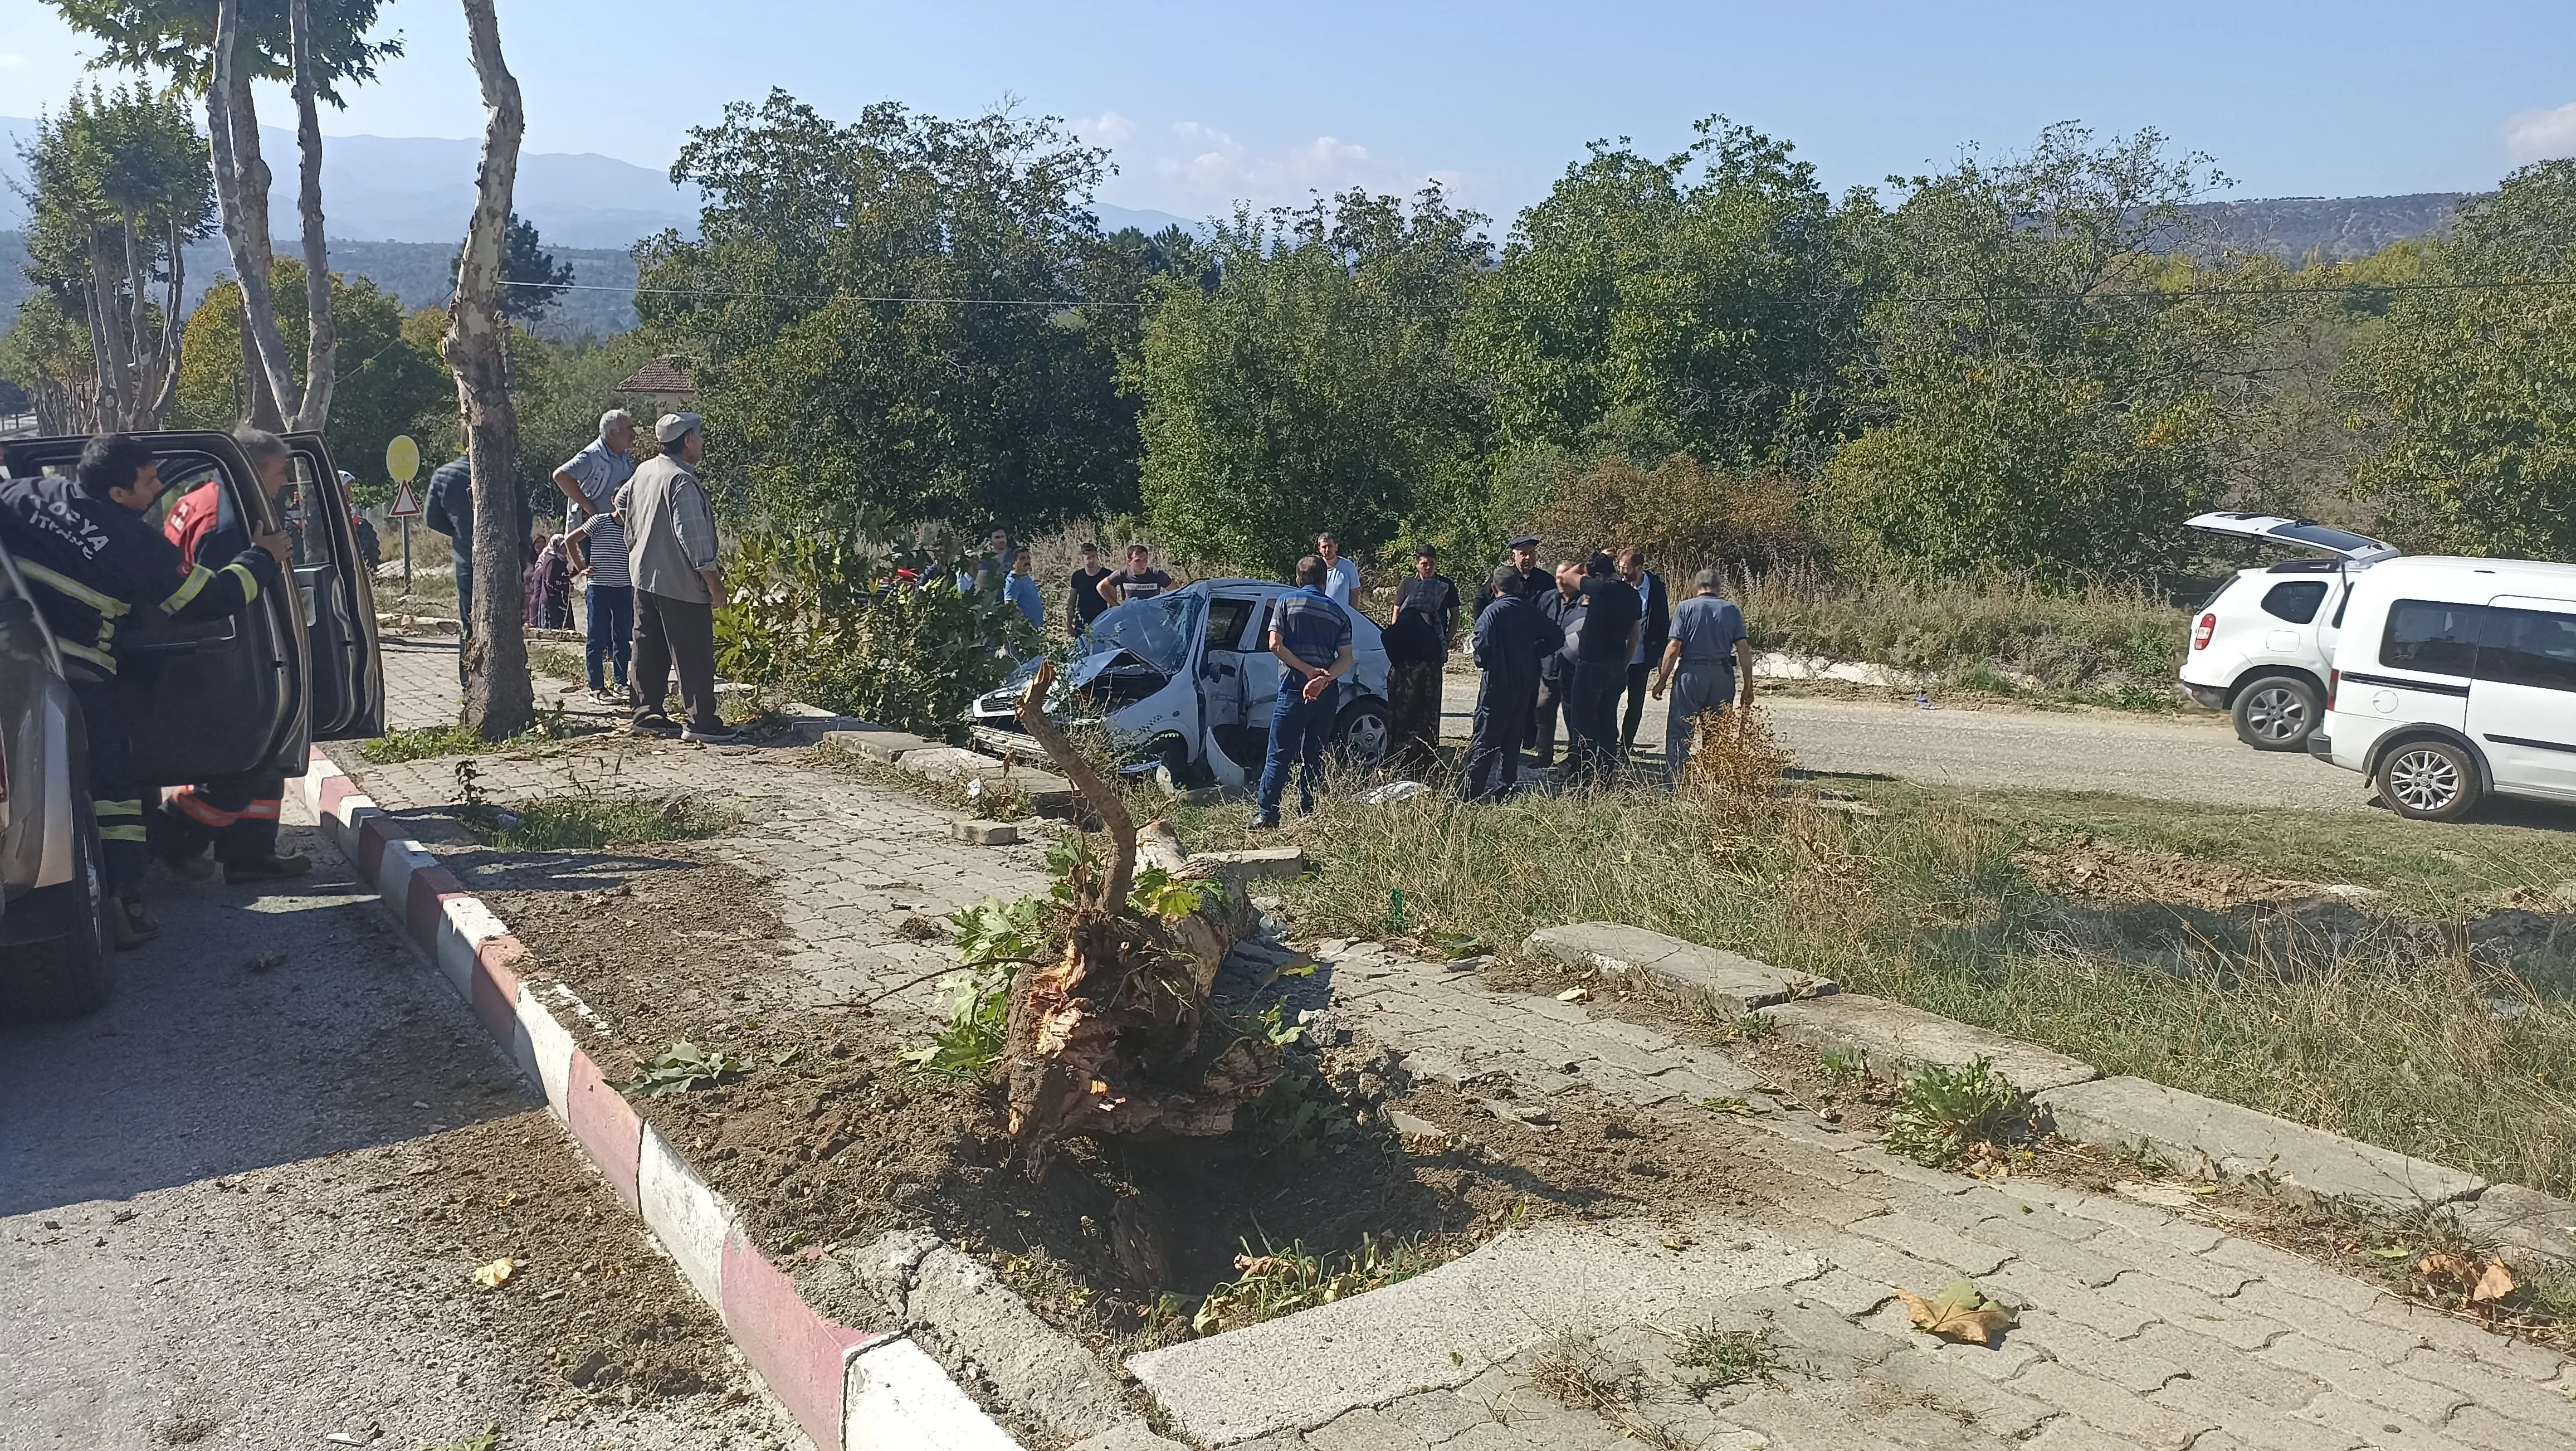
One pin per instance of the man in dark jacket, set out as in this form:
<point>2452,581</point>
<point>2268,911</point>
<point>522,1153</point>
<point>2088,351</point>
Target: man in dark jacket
<point>1564,607</point>
<point>83,544</point>
<point>449,509</point>
<point>1512,637</point>
<point>1658,628</point>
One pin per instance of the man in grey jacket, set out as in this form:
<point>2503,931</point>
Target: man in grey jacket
<point>671,553</point>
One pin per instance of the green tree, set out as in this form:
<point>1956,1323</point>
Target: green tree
<point>1314,386</point>
<point>117,188</point>
<point>897,317</point>
<point>1702,302</point>
<point>388,382</point>
<point>2037,395</point>
<point>531,279</point>
<point>47,352</point>
<point>2469,392</point>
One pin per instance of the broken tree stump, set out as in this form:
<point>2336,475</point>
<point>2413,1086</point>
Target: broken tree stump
<point>1113,1037</point>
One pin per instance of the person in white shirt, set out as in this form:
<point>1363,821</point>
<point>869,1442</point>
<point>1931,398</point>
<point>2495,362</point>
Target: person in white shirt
<point>1341,577</point>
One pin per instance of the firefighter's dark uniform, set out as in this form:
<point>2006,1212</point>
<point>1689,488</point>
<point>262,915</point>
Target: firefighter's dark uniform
<point>238,814</point>
<point>92,562</point>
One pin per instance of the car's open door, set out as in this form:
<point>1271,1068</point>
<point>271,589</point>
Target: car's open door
<point>218,697</point>
<point>339,602</point>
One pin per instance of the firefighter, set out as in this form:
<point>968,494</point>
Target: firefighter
<point>83,542</point>
<point>236,814</point>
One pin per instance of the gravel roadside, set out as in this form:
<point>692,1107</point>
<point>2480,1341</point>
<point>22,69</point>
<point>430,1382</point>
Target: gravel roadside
<point>246,1200</point>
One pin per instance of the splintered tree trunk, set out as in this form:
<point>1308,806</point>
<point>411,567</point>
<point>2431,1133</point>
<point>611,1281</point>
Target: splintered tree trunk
<point>498,700</point>
<point>322,346</point>
<point>241,201</point>
<point>1113,1037</point>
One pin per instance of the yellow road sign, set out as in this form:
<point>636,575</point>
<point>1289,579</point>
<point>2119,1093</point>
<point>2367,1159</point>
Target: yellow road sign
<point>402,459</point>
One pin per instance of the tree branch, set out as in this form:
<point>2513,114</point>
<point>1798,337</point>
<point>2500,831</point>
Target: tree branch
<point>1106,801</point>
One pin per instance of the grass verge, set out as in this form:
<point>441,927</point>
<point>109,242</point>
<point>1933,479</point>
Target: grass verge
<point>587,821</point>
<point>2395,1022</point>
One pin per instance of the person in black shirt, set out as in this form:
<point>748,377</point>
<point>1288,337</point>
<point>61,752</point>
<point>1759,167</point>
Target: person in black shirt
<point>1657,629</point>
<point>1512,638</point>
<point>1087,603</point>
<point>1417,642</point>
<point>1140,580</point>
<point>1612,618</point>
<point>1564,607</point>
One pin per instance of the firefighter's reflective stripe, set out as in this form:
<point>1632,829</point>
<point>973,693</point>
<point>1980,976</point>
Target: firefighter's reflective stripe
<point>107,605</point>
<point>249,581</point>
<point>119,820</point>
<point>99,658</point>
<point>197,808</point>
<point>198,578</point>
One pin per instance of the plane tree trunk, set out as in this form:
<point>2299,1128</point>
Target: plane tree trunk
<point>241,201</point>
<point>498,698</point>
<point>322,337</point>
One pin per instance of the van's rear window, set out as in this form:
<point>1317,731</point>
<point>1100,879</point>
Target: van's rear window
<point>2530,647</point>
<point>2432,638</point>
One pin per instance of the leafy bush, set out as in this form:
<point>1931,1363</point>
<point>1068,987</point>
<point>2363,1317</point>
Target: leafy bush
<point>2096,636</point>
<point>1683,513</point>
<point>1941,1110</point>
<point>831,621</point>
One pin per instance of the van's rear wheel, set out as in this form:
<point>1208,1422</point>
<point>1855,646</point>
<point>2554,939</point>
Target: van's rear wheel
<point>68,976</point>
<point>2277,713</point>
<point>2428,781</point>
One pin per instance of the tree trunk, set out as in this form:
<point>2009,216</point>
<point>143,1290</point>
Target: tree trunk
<point>322,343</point>
<point>106,336</point>
<point>498,695</point>
<point>1109,1040</point>
<point>241,200</point>
<point>165,386</point>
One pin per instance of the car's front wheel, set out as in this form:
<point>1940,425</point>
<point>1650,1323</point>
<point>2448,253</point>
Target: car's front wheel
<point>2430,780</point>
<point>68,975</point>
<point>1363,732</point>
<point>2277,713</point>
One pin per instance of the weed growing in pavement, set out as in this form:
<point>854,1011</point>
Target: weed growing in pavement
<point>2330,1015</point>
<point>1755,1028</point>
<point>1718,1358</point>
<point>1846,1068</point>
<point>422,744</point>
<point>487,1439</point>
<point>585,821</point>
<point>556,662</point>
<point>1573,1369</point>
<point>1941,1110</point>
<point>1280,1282</point>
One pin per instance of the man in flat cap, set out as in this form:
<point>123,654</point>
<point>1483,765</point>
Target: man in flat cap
<point>671,555</point>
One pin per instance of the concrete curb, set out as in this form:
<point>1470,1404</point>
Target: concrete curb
<point>2077,1102</point>
<point>848,1388</point>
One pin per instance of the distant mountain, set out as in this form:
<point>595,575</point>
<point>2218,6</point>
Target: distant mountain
<point>1113,218</point>
<point>2330,229</point>
<point>399,189</point>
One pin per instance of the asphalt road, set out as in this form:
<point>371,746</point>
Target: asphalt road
<point>2191,758</point>
<point>216,1223</point>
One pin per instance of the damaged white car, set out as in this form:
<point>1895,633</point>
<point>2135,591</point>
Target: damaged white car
<point>1186,682</point>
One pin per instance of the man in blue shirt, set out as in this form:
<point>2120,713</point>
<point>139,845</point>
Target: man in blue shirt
<point>1021,588</point>
<point>1708,666</point>
<point>1311,635</point>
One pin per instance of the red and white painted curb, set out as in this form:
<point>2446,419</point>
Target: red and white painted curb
<point>851,1390</point>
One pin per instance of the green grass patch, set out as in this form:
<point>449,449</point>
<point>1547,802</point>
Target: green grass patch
<point>423,743</point>
<point>559,662</point>
<point>2363,1019</point>
<point>587,821</point>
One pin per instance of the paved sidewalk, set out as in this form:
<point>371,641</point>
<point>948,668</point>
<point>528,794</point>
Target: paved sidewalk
<point>2142,1328</point>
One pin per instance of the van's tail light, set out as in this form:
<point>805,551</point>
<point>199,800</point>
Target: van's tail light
<point>2334,683</point>
<point>2201,632</point>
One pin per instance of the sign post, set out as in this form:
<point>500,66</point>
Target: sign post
<point>402,464</point>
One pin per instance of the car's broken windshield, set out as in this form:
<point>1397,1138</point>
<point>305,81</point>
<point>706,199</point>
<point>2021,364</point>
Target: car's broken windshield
<point>1157,631</point>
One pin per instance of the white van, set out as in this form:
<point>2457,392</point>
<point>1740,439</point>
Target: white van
<point>2453,679</point>
<point>2262,645</point>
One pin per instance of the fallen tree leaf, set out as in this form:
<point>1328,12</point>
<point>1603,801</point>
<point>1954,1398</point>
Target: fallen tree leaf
<point>1960,1313</point>
<point>496,1274</point>
<point>2494,1285</point>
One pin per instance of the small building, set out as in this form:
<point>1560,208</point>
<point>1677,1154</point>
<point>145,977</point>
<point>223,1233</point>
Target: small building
<point>660,386</point>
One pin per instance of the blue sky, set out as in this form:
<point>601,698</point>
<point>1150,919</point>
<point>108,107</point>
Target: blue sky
<point>1208,104</point>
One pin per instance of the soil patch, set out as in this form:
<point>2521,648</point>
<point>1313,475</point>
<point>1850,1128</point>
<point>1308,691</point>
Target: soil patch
<point>2086,868</point>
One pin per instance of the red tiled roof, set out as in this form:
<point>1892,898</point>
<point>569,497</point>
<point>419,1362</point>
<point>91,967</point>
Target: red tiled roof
<point>660,376</point>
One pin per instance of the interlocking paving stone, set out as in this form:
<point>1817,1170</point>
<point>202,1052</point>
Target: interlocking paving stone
<point>2112,1408</point>
<point>2250,1423</point>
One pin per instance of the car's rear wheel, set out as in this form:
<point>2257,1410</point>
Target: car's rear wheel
<point>2277,713</point>
<point>1363,733</point>
<point>69,974</point>
<point>2428,780</point>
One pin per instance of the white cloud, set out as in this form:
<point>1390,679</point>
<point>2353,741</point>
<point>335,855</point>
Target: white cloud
<point>1106,129</point>
<point>2542,135</point>
<point>1212,166</point>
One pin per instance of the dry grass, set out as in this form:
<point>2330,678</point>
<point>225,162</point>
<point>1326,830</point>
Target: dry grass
<point>2381,1028</point>
<point>2094,640</point>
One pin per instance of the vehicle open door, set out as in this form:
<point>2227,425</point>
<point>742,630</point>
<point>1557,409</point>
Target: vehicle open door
<point>219,697</point>
<point>339,602</point>
<point>2305,534</point>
